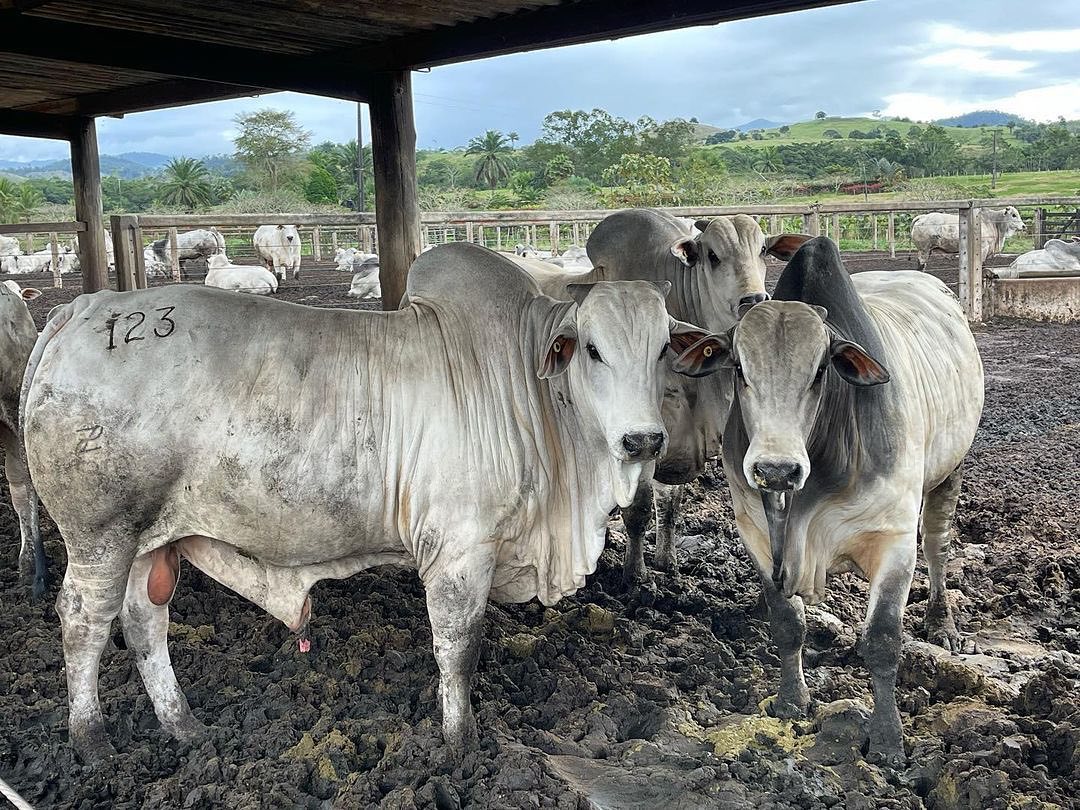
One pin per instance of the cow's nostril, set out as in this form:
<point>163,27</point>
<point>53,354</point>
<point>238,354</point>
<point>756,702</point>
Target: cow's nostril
<point>777,474</point>
<point>753,298</point>
<point>643,445</point>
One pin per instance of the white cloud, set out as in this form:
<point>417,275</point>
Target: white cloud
<point>1061,40</point>
<point>1038,103</point>
<point>973,61</point>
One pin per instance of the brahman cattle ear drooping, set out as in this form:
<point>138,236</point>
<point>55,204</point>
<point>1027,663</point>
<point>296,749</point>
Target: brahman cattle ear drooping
<point>578,292</point>
<point>783,246</point>
<point>697,353</point>
<point>853,364</point>
<point>663,287</point>
<point>702,224</point>
<point>687,250</point>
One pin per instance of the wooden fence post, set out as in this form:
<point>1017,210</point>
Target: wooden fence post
<point>174,255</point>
<point>333,240</point>
<point>127,252</point>
<point>813,221</point>
<point>553,229</point>
<point>498,237</point>
<point>973,300</point>
<point>468,232</point>
<point>316,244</point>
<point>890,234</point>
<point>774,220</point>
<point>836,229</point>
<point>873,228</point>
<point>55,245</point>
<point>1039,228</point>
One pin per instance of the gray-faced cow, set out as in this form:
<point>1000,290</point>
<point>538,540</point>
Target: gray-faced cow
<point>278,247</point>
<point>713,268</point>
<point>856,399</point>
<point>482,434</point>
<point>941,231</point>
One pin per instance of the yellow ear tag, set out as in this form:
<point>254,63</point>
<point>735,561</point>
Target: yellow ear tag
<point>707,351</point>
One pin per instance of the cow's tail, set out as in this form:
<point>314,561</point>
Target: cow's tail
<point>58,318</point>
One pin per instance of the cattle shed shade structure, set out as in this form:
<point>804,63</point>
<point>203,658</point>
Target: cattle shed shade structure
<point>65,62</point>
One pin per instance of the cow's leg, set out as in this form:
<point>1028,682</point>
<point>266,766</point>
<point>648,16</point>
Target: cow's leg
<point>890,581</point>
<point>24,500</point>
<point>636,519</point>
<point>146,630</point>
<point>457,594</point>
<point>90,597</point>
<point>787,621</point>
<point>939,506</point>
<point>668,499</point>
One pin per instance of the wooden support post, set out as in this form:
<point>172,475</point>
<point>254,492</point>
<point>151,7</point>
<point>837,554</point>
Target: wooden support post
<point>553,230</point>
<point>873,228</point>
<point>812,222</point>
<point>174,255</point>
<point>890,234</point>
<point>127,251</point>
<point>54,244</point>
<point>577,234</point>
<point>498,237</point>
<point>86,177</point>
<point>1039,228</point>
<point>971,271</point>
<point>469,232</point>
<point>397,209</point>
<point>773,222</point>
<point>836,229</point>
<point>29,243</point>
<point>333,240</point>
<point>480,235</point>
<point>316,244</point>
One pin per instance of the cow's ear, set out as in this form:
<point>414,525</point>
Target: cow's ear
<point>30,293</point>
<point>702,224</point>
<point>854,365</point>
<point>662,287</point>
<point>558,352</point>
<point>281,227</point>
<point>578,292</point>
<point>687,250</point>
<point>697,352</point>
<point>783,246</point>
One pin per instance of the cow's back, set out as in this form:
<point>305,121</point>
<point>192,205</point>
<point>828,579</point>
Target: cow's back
<point>934,363</point>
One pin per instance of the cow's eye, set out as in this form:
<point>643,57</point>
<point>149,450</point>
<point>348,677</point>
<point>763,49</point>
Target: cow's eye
<point>593,353</point>
<point>739,374</point>
<point>820,373</point>
<point>764,249</point>
<point>712,258</point>
<point>663,352</point>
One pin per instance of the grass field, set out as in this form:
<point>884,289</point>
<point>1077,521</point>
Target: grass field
<point>814,131</point>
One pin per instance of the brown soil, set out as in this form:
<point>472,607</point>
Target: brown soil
<point>617,700</point>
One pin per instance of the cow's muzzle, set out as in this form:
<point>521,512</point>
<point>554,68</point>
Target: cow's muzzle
<point>777,474</point>
<point>643,446</point>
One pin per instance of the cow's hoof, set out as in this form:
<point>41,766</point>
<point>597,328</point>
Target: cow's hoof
<point>93,745</point>
<point>886,743</point>
<point>461,739</point>
<point>186,729</point>
<point>940,627</point>
<point>887,756</point>
<point>785,707</point>
<point>634,576</point>
<point>668,563</point>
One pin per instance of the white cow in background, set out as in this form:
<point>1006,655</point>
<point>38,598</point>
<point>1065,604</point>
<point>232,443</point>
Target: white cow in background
<point>351,259</point>
<point>201,243</point>
<point>1056,258</point>
<point>365,284</point>
<point>278,246</point>
<point>9,246</point>
<point>941,231</point>
<point>530,252</point>
<point>573,258</point>
<point>246,278</point>
<point>155,266</point>
<point>39,262</point>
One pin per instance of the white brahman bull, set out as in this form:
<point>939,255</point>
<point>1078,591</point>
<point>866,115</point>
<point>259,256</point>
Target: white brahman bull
<point>278,246</point>
<point>941,231</point>
<point>201,243</point>
<point>482,434</point>
<point>17,336</point>
<point>856,399</point>
<point>365,284</point>
<point>245,278</point>
<point>9,246</point>
<point>713,268</point>
<point>38,262</point>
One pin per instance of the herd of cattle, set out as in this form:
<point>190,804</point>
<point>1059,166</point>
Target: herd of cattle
<point>484,432</point>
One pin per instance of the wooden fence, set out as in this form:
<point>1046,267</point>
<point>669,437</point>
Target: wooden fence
<point>52,230</point>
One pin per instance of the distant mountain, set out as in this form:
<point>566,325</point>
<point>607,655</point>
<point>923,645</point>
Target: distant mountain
<point>127,165</point>
<point>980,118</point>
<point>758,123</point>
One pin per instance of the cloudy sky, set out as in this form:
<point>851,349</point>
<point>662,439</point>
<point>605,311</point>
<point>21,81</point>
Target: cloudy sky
<point>922,59</point>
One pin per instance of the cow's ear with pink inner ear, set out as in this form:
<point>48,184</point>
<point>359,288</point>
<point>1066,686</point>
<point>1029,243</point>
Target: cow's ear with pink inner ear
<point>687,250</point>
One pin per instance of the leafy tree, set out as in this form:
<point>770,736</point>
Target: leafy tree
<point>723,136</point>
<point>757,135</point>
<point>558,168</point>
<point>671,139</point>
<point>270,144</point>
<point>641,180</point>
<point>831,133</point>
<point>785,129</point>
<point>27,201</point>
<point>492,164</point>
<point>857,135</point>
<point>933,151</point>
<point>768,160</point>
<point>9,192</point>
<point>596,137</point>
<point>186,184</point>
<point>321,187</point>
<point>514,138</point>
<point>820,114</point>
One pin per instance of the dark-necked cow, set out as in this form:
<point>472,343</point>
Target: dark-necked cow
<point>856,399</point>
<point>712,271</point>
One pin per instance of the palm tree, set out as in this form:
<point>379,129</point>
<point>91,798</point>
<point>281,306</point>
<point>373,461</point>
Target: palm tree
<point>768,160</point>
<point>187,184</point>
<point>492,165</point>
<point>514,138</point>
<point>8,194</point>
<point>27,201</point>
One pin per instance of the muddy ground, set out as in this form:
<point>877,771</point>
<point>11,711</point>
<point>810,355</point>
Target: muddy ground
<point>647,699</point>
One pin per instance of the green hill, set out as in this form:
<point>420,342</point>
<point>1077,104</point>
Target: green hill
<point>814,131</point>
